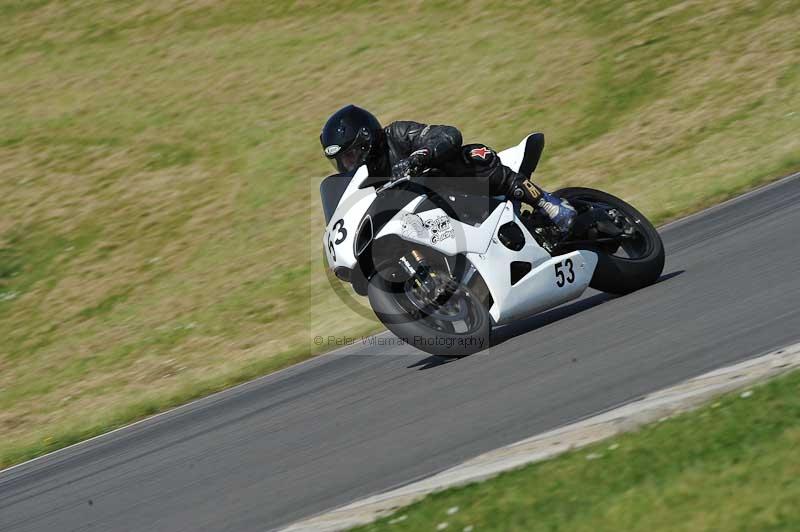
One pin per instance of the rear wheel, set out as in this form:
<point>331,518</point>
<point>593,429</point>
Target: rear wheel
<point>453,325</point>
<point>638,260</point>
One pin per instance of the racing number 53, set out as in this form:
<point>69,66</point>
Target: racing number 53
<point>340,232</point>
<point>561,278</point>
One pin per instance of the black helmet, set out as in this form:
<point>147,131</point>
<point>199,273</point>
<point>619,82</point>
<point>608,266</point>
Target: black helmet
<point>349,136</point>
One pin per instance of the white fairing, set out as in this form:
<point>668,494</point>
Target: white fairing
<point>542,288</point>
<point>341,230</point>
<point>551,281</point>
<point>435,229</point>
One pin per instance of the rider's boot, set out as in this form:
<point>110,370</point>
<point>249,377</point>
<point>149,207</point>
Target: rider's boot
<point>560,212</point>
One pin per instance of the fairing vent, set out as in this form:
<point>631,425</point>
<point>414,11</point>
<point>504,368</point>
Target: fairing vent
<point>363,235</point>
<point>519,269</point>
<point>511,236</point>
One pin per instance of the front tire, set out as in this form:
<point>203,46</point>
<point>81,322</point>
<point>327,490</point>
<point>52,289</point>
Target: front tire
<point>643,266</point>
<point>437,334</point>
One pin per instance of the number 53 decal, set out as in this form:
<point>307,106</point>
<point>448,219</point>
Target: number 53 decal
<point>561,278</point>
<point>341,233</point>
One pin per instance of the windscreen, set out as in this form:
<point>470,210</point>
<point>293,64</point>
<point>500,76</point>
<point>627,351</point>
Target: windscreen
<point>331,191</point>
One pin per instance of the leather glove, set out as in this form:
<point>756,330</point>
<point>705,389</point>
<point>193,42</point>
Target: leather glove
<point>412,165</point>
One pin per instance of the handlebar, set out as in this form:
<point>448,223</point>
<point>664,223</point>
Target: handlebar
<point>393,183</point>
<point>396,181</point>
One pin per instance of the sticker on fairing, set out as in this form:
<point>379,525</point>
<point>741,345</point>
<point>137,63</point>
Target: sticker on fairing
<point>434,229</point>
<point>413,227</point>
<point>440,229</point>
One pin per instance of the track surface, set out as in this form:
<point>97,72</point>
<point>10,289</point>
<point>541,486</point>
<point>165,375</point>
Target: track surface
<point>366,419</point>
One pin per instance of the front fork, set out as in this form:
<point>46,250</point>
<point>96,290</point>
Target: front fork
<point>436,286</point>
<point>419,272</point>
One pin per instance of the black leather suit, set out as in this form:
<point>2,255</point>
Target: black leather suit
<point>446,153</point>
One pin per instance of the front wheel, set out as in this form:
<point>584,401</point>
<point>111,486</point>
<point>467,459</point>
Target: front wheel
<point>638,260</point>
<point>457,326</point>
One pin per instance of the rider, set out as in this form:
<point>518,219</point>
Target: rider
<point>353,136</point>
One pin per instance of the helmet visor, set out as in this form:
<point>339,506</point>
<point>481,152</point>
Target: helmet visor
<point>355,155</point>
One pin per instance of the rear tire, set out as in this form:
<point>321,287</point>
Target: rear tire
<point>390,304</point>
<point>620,275</point>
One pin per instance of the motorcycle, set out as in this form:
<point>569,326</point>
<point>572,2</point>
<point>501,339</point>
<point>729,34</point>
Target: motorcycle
<point>441,268</point>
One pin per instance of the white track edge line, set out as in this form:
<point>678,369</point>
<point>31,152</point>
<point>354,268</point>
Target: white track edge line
<point>655,406</point>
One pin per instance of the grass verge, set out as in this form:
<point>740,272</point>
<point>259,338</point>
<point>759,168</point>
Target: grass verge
<point>731,465</point>
<point>159,223</point>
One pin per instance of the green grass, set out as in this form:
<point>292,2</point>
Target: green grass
<point>160,226</point>
<point>732,465</point>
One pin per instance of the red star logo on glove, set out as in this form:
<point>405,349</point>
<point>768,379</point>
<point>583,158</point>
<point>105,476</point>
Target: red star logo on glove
<point>480,152</point>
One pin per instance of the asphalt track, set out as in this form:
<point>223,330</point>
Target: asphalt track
<point>365,419</point>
